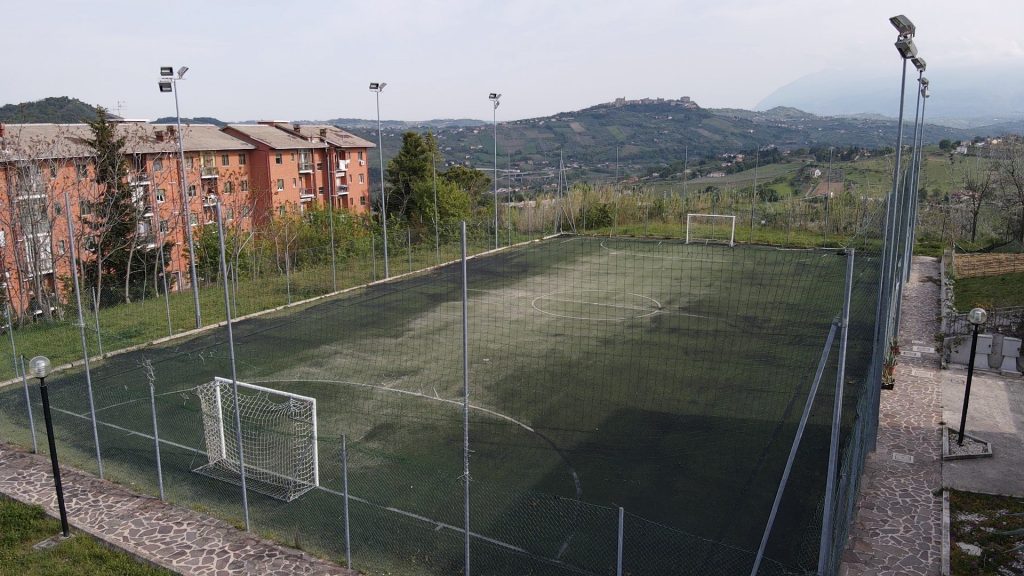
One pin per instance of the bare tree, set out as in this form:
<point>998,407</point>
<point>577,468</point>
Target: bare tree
<point>1010,170</point>
<point>978,188</point>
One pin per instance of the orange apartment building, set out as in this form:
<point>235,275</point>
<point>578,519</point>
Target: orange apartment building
<point>257,172</point>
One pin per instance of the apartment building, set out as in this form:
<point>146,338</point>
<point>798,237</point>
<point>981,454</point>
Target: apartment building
<point>256,172</point>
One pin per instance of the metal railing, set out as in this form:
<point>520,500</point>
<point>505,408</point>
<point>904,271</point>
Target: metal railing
<point>1000,321</point>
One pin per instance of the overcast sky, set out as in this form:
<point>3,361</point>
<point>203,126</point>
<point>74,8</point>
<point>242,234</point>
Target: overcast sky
<point>273,59</point>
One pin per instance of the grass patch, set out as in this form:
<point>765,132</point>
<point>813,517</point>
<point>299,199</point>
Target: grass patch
<point>990,291</point>
<point>25,525</point>
<point>993,523</point>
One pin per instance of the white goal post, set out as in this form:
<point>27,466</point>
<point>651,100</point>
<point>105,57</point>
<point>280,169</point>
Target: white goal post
<point>279,438</point>
<point>708,228</point>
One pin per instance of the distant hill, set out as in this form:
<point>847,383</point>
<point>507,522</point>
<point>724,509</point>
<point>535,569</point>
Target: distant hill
<point>58,110</point>
<point>196,120</point>
<point>357,123</point>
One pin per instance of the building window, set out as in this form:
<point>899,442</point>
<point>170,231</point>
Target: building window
<point>281,210</point>
<point>63,246</point>
<point>161,195</point>
<point>163,226</point>
<point>245,211</point>
<point>158,164</point>
<point>193,220</point>
<point>82,169</point>
<point>3,238</point>
<point>360,154</point>
<point>320,190</point>
<point>191,190</point>
<point>293,156</point>
<point>295,182</point>
<point>244,185</point>
<point>280,184</point>
<point>191,162</point>
<point>229,213</point>
<point>362,200</point>
<point>229,187</point>
<point>341,156</point>
<point>84,209</point>
<point>362,179</point>
<point>319,165</point>
<point>53,170</point>
<point>278,159</point>
<point>241,159</point>
<point>225,160</point>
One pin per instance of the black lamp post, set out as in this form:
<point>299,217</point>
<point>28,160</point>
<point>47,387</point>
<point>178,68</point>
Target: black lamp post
<point>977,317</point>
<point>39,367</point>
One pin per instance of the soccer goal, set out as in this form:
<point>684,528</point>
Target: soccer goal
<point>711,228</point>
<point>279,438</point>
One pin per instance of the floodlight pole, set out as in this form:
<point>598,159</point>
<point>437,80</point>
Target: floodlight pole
<point>377,88</point>
<point>183,188</point>
<point>234,371</point>
<point>917,177</point>
<point>915,168</point>
<point>496,100</point>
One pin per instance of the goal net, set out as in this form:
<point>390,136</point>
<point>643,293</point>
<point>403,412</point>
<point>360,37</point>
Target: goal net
<point>711,228</point>
<point>279,438</point>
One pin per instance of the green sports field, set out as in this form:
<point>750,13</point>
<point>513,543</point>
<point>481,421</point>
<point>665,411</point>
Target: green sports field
<point>663,378</point>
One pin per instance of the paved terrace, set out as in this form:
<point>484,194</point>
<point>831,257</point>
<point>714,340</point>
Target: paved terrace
<point>170,536</point>
<point>898,525</point>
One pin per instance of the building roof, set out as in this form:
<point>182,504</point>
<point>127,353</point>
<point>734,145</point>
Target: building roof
<point>47,141</point>
<point>274,137</point>
<point>335,136</point>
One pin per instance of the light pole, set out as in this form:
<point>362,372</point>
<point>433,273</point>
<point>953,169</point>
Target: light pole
<point>39,367</point>
<point>378,87</point>
<point>915,163</point>
<point>495,99</point>
<point>976,317</point>
<point>169,83</point>
<point>917,177</point>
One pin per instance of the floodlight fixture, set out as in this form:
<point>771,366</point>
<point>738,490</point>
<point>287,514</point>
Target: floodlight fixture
<point>39,367</point>
<point>906,47</point>
<point>976,316</point>
<point>496,98</point>
<point>167,71</point>
<point>181,72</point>
<point>377,86</point>
<point>903,25</point>
<point>165,86</point>
<point>919,63</point>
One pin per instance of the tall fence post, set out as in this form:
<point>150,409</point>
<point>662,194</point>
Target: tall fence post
<point>156,431</point>
<point>408,246</point>
<point>96,317</point>
<point>28,406</point>
<point>234,370</point>
<point>373,254</point>
<point>618,562</point>
<point>344,484</point>
<point>793,449</point>
<point>81,331</point>
<point>465,397</point>
<point>825,549</point>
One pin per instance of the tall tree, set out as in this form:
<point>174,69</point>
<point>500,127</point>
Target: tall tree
<point>977,187</point>
<point>117,237</point>
<point>409,166</point>
<point>1011,178</point>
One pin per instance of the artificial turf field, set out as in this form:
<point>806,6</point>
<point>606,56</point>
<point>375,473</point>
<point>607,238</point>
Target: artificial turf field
<point>663,378</point>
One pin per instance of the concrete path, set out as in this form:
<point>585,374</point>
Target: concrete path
<point>897,529</point>
<point>995,414</point>
<point>176,538</point>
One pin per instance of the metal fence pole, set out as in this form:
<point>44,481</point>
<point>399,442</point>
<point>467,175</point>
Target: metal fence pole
<point>344,484</point>
<point>96,317</point>
<point>234,371</point>
<point>28,406</point>
<point>81,331</point>
<point>793,449</point>
<point>465,397</point>
<point>408,246</point>
<point>618,563</point>
<point>824,552</point>
<point>373,254</point>
<point>156,432</point>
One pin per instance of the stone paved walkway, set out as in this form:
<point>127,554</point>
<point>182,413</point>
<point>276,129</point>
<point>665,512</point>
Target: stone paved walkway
<point>898,526</point>
<point>176,538</point>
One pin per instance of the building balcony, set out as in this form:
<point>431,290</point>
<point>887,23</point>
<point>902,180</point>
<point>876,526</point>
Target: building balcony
<point>342,166</point>
<point>139,178</point>
<point>209,172</point>
<point>341,191</point>
<point>306,195</point>
<point>209,200</point>
<point>305,166</point>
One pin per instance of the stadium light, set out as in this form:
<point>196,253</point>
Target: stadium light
<point>976,317</point>
<point>171,85</point>
<point>495,99</point>
<point>39,367</point>
<point>906,47</point>
<point>903,25</point>
<point>378,87</point>
<point>919,63</point>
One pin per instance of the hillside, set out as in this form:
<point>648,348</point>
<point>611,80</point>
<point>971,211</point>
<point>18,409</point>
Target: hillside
<point>48,110</point>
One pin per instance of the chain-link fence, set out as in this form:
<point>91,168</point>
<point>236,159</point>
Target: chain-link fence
<point>634,406</point>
